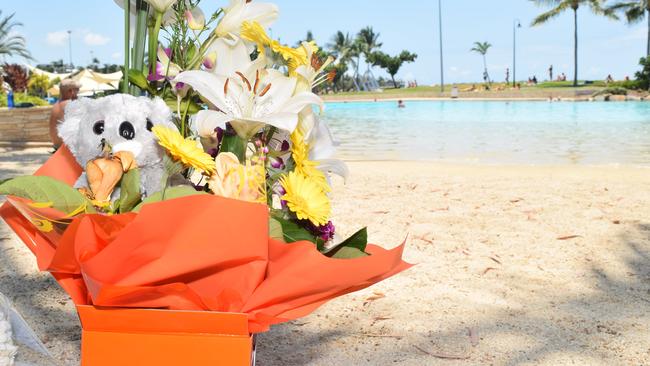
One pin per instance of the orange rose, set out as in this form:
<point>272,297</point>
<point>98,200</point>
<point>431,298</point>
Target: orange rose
<point>234,180</point>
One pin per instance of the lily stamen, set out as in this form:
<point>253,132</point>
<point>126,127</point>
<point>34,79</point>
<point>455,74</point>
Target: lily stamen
<point>257,81</point>
<point>265,90</point>
<point>248,84</point>
<point>225,86</point>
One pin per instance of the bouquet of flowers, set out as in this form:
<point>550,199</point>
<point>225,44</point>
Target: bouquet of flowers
<point>219,208</point>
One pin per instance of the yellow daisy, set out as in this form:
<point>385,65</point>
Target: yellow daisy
<point>304,166</point>
<point>306,199</point>
<point>185,151</point>
<point>254,32</point>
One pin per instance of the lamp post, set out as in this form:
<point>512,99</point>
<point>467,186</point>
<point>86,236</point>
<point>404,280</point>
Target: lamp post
<point>515,24</point>
<point>442,72</point>
<point>70,46</point>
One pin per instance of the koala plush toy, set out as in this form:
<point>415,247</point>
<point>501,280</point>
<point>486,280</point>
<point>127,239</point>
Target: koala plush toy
<point>124,122</point>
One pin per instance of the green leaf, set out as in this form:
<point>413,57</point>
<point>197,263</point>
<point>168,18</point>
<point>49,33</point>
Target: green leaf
<point>235,145</point>
<point>173,104</point>
<point>129,190</point>
<point>292,232</point>
<point>275,229</point>
<point>41,189</point>
<point>170,193</point>
<point>354,245</point>
<point>348,253</point>
<point>139,79</point>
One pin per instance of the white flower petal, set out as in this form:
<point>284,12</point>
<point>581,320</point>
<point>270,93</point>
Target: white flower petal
<point>207,121</point>
<point>209,85</point>
<point>299,101</point>
<point>230,56</point>
<point>334,166</point>
<point>322,143</point>
<point>284,121</point>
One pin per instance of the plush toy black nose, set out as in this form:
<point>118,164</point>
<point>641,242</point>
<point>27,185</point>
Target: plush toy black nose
<point>127,131</point>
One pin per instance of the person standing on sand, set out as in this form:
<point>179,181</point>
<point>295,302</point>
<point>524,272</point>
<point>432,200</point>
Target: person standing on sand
<point>68,90</point>
<point>550,73</point>
<point>507,75</point>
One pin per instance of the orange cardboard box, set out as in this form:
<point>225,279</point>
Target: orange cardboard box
<point>119,336</point>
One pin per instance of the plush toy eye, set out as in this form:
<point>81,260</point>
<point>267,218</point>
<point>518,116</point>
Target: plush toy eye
<point>98,127</point>
<point>149,125</point>
<point>126,130</point>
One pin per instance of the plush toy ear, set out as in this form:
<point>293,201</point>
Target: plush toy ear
<point>70,127</point>
<point>159,113</point>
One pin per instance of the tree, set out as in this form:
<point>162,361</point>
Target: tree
<point>560,6</point>
<point>482,49</point>
<point>368,42</point>
<point>38,85</point>
<point>634,12</point>
<point>643,76</point>
<point>340,46</point>
<point>391,64</point>
<point>16,76</point>
<point>11,43</point>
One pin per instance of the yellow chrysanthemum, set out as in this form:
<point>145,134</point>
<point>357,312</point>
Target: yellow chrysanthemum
<point>185,151</point>
<point>304,166</point>
<point>254,32</point>
<point>305,198</point>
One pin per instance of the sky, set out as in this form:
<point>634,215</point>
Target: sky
<point>606,47</point>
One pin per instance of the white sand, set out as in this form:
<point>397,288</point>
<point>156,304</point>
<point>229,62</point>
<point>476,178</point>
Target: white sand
<point>492,285</point>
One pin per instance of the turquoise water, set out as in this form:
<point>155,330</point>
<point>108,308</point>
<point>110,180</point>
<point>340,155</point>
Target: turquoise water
<point>592,133</point>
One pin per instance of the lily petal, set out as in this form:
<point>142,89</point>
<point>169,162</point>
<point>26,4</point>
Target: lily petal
<point>209,85</point>
<point>207,121</point>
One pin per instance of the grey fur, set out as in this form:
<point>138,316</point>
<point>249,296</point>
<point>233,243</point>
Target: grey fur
<point>80,116</point>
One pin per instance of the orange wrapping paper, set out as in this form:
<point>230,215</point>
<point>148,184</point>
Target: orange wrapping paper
<point>193,253</point>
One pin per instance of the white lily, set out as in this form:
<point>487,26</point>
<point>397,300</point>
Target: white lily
<point>321,144</point>
<point>309,73</point>
<point>226,58</point>
<point>240,11</point>
<point>248,104</point>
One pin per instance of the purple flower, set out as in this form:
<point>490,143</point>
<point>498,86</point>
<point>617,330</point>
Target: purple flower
<point>324,232</point>
<point>220,131</point>
<point>158,74</point>
<point>285,146</point>
<point>277,163</point>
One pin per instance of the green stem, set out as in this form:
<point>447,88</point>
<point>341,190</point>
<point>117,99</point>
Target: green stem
<point>198,58</point>
<point>184,117</point>
<point>153,42</point>
<point>127,30</point>
<point>139,40</point>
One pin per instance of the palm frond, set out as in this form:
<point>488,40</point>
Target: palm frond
<point>546,16</point>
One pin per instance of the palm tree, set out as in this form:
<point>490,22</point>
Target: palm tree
<point>340,46</point>
<point>559,6</point>
<point>10,43</point>
<point>634,12</point>
<point>369,42</point>
<point>482,49</point>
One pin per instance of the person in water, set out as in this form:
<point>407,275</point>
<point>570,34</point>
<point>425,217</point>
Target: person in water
<point>400,104</point>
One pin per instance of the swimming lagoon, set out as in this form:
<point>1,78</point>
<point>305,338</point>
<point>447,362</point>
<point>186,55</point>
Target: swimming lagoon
<point>494,132</point>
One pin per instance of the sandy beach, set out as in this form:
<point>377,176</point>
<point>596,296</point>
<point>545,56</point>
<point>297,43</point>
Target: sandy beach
<point>516,265</point>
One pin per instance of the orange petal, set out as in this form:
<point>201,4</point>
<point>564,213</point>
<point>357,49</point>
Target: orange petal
<point>127,160</point>
<point>103,175</point>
